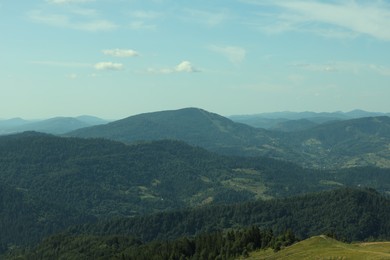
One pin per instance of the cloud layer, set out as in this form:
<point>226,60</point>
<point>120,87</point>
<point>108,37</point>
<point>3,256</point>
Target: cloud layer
<point>66,21</point>
<point>331,18</point>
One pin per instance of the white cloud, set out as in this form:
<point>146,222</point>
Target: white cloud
<point>65,21</point>
<point>332,18</point>
<point>122,53</point>
<point>108,66</point>
<point>234,54</point>
<point>184,66</point>
<point>95,26</point>
<point>331,67</point>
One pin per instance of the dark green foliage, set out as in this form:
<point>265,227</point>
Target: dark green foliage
<point>351,215</point>
<point>23,220</point>
<point>216,245</point>
<point>51,183</point>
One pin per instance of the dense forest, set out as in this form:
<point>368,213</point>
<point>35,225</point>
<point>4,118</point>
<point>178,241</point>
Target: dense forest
<point>348,214</point>
<point>216,245</point>
<point>215,232</point>
<point>168,189</point>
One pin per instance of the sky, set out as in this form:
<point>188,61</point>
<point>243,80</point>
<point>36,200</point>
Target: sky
<point>117,58</point>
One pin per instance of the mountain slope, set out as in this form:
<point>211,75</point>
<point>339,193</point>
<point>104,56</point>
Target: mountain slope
<point>24,220</point>
<point>349,214</point>
<point>357,142</point>
<point>348,143</point>
<point>66,180</point>
<point>192,125</point>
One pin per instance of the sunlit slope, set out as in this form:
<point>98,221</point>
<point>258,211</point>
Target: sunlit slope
<point>323,247</point>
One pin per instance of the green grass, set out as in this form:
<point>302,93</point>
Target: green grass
<point>323,247</point>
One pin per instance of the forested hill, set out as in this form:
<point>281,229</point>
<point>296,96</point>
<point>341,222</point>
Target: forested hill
<point>351,143</point>
<point>57,182</point>
<point>63,181</point>
<point>348,214</point>
<point>341,144</point>
<point>224,230</point>
<point>192,125</point>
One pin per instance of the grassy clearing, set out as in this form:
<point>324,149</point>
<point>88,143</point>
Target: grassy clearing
<point>322,247</point>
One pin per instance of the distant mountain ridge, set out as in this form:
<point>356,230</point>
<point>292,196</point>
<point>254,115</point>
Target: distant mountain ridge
<point>335,144</point>
<point>56,125</point>
<point>275,120</point>
<point>192,125</point>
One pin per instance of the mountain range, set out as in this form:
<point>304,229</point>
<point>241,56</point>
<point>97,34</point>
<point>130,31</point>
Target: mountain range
<point>277,120</point>
<point>335,144</point>
<point>56,125</point>
<point>177,173</point>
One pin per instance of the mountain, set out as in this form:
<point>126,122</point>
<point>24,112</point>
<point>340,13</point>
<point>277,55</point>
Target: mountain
<point>7,125</point>
<point>350,143</point>
<point>57,125</point>
<point>192,125</point>
<point>91,120</point>
<point>336,144</point>
<point>294,125</point>
<point>271,120</point>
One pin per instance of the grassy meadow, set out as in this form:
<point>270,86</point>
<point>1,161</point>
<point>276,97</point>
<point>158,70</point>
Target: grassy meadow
<point>323,247</point>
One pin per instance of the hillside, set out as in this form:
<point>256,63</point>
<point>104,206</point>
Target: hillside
<point>340,144</point>
<point>351,143</point>
<point>348,214</point>
<point>192,125</point>
<point>323,247</point>
<point>101,179</point>
<point>231,231</point>
<point>23,219</point>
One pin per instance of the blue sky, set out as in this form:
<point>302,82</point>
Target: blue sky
<point>116,58</point>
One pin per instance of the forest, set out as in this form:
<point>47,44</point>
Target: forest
<point>167,190</point>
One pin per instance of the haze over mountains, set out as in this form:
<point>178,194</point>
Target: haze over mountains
<point>291,121</point>
<point>334,144</point>
<point>57,125</point>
